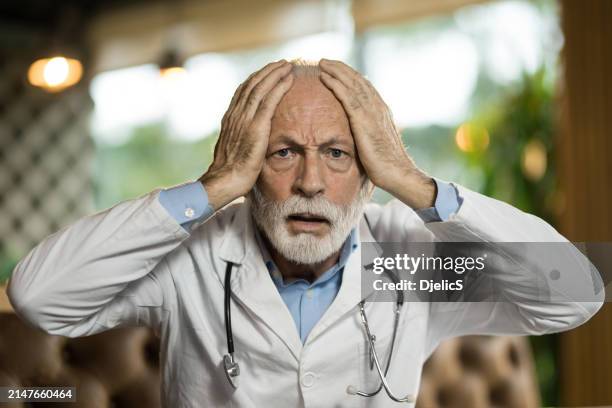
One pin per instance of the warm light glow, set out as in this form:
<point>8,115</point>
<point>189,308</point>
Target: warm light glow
<point>55,74</point>
<point>533,160</point>
<point>172,73</point>
<point>56,71</point>
<point>472,138</point>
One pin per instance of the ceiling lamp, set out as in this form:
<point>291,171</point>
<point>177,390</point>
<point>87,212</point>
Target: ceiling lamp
<point>56,73</point>
<point>170,65</point>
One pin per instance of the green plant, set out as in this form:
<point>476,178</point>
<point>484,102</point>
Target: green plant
<point>511,143</point>
<point>516,156</point>
<point>7,264</point>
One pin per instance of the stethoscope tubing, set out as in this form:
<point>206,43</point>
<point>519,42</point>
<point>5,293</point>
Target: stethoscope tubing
<point>227,306</point>
<point>232,369</point>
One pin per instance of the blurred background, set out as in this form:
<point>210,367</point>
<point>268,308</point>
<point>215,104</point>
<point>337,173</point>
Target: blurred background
<point>105,100</point>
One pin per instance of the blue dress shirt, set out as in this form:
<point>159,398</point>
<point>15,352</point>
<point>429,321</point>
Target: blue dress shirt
<point>307,302</point>
<point>186,203</point>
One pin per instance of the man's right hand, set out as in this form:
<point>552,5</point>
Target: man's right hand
<point>245,131</point>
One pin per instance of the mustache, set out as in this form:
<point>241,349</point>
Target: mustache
<point>317,207</point>
<point>271,217</point>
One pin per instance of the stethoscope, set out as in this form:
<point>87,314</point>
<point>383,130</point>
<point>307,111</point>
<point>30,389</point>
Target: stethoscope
<point>374,360</point>
<point>232,369</point>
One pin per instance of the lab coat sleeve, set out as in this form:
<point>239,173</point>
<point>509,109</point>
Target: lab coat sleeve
<point>485,220</point>
<point>523,273</point>
<point>102,271</point>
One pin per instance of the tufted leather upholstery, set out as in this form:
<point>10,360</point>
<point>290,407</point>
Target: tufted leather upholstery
<point>117,368</point>
<point>480,371</point>
<point>120,368</point>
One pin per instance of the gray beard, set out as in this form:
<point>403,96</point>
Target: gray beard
<point>304,248</point>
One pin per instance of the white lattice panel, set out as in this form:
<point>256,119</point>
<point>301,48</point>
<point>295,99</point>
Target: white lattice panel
<point>45,159</point>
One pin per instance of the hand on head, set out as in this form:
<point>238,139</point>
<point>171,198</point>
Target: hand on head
<point>245,129</point>
<point>378,141</point>
<point>376,145</point>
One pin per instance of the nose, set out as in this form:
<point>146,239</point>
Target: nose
<point>310,182</point>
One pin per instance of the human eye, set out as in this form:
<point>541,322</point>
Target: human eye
<point>283,153</point>
<point>336,153</point>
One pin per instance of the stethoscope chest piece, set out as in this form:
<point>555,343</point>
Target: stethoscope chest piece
<point>232,370</point>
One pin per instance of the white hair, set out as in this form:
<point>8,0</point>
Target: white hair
<point>305,68</point>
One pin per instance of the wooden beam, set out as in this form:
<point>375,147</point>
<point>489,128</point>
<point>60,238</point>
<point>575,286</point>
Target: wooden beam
<point>368,13</point>
<point>139,35</point>
<point>585,170</point>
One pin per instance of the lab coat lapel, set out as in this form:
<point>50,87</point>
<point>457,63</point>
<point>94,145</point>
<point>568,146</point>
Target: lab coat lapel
<point>251,283</point>
<point>350,293</point>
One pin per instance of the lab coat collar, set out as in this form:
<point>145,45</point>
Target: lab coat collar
<point>252,284</point>
<point>233,245</point>
<point>351,291</point>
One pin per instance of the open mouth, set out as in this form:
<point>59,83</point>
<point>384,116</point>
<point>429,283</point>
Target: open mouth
<point>306,217</point>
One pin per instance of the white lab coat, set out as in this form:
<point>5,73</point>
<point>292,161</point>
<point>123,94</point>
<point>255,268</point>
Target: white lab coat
<point>134,264</point>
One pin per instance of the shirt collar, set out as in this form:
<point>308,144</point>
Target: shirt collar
<point>350,244</point>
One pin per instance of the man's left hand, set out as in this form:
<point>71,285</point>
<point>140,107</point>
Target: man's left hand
<point>377,139</point>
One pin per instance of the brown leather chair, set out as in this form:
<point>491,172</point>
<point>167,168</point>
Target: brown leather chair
<point>478,372</point>
<point>120,368</point>
<point>117,368</point>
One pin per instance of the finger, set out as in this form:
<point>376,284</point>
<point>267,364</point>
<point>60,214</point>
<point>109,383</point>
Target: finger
<point>242,88</point>
<point>338,64</point>
<point>342,72</point>
<point>355,82</point>
<point>259,92</point>
<point>236,95</point>
<point>268,106</point>
<point>348,99</point>
<point>257,76</point>
<point>263,70</point>
<point>233,103</point>
<point>232,106</point>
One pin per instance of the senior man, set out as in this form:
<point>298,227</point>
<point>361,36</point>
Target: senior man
<point>306,144</point>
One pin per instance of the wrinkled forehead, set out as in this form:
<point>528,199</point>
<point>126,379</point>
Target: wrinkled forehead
<point>310,109</point>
